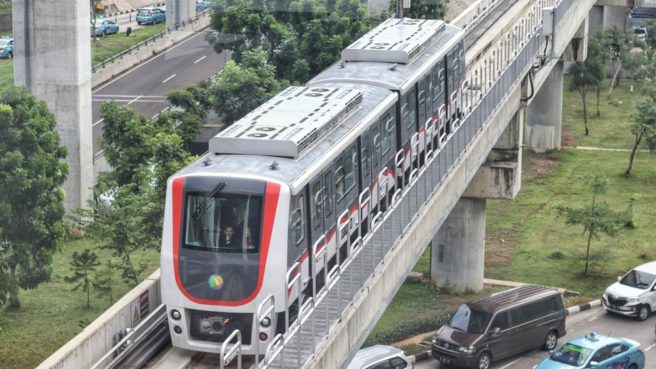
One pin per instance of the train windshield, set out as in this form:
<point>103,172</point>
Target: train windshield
<point>225,223</point>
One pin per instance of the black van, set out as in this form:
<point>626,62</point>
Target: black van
<point>501,325</point>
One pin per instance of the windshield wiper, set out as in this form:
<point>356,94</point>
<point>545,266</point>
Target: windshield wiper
<point>202,208</point>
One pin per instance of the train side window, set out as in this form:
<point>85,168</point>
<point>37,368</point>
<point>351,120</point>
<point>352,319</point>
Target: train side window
<point>435,84</point>
<point>366,156</point>
<point>375,132</point>
<point>300,220</point>
<point>422,96</point>
<point>350,170</point>
<point>328,195</point>
<point>385,128</point>
<point>410,109</point>
<point>316,204</point>
<point>456,70</point>
<point>441,81</point>
<point>340,186</point>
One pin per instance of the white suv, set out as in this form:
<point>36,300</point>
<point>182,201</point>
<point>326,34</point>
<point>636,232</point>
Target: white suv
<point>634,294</point>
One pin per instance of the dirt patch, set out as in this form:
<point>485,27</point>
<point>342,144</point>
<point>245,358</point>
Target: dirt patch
<point>539,166</point>
<point>109,44</point>
<point>499,248</point>
<point>567,138</point>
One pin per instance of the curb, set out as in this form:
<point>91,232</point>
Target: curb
<point>419,357</point>
<point>584,307</point>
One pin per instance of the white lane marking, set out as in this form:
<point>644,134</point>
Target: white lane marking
<point>650,347</point>
<point>168,79</point>
<point>131,101</point>
<point>97,122</point>
<point>135,100</point>
<point>512,363</point>
<point>200,59</point>
<point>141,65</point>
<point>593,318</point>
<point>128,96</point>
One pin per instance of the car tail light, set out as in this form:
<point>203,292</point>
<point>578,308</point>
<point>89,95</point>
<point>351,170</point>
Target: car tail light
<point>97,27</point>
<point>641,350</point>
<point>2,48</point>
<point>150,15</point>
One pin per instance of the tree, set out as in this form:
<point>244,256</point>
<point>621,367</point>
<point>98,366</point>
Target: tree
<point>83,267</point>
<point>192,103</point>
<point>105,279</point>
<point>595,218</point>
<point>620,46</point>
<point>422,9</point>
<point>31,198</point>
<point>644,122</point>
<point>242,88</point>
<point>589,74</point>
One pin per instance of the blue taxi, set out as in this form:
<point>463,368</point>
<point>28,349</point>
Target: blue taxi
<point>104,27</point>
<point>593,351</point>
<point>6,48</point>
<point>151,15</point>
<point>202,5</point>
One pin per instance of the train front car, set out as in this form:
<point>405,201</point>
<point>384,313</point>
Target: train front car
<point>242,221</point>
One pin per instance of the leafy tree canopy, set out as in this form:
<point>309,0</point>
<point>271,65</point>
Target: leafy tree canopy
<point>31,199</point>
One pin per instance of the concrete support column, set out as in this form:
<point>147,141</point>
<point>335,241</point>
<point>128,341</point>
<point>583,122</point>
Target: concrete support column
<point>544,114</point>
<point>458,249</point>
<point>615,16</point>
<point>596,20</point>
<point>178,11</point>
<point>52,54</point>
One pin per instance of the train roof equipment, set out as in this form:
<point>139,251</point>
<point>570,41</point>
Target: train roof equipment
<point>395,41</point>
<point>289,123</point>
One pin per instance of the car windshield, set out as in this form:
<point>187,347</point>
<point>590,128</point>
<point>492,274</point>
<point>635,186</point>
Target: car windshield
<point>3,42</point>
<point>640,31</point>
<point>637,279</point>
<point>571,354</point>
<point>470,320</point>
<point>144,11</point>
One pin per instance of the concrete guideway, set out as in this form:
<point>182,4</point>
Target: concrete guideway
<point>593,320</point>
<point>143,87</point>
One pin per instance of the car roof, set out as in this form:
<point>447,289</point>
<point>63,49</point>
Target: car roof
<point>513,297</point>
<point>595,344</point>
<point>370,355</point>
<point>649,267</point>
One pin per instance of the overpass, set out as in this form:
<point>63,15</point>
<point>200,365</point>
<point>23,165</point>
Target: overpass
<point>511,66</point>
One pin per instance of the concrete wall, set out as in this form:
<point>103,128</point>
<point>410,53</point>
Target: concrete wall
<point>5,22</point>
<point>128,61</point>
<point>97,338</point>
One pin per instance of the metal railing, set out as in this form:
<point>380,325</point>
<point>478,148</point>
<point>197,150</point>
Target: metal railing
<point>145,42</point>
<point>479,16</point>
<point>318,317</point>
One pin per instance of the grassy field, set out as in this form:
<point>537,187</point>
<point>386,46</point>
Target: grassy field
<point>6,73</point>
<point>611,130</point>
<point>49,315</point>
<point>110,45</point>
<point>5,8</point>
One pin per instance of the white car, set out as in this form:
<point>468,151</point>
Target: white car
<point>634,294</point>
<point>380,357</point>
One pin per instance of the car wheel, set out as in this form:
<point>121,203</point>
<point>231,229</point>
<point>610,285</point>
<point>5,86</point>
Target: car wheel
<point>484,361</point>
<point>154,22</point>
<point>10,55</point>
<point>550,341</point>
<point>139,23</point>
<point>104,33</point>
<point>643,313</point>
<point>116,30</point>
<point>633,366</point>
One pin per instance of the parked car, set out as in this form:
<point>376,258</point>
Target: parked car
<point>202,5</point>
<point>380,357</point>
<point>151,15</point>
<point>6,48</point>
<point>634,294</point>
<point>592,351</point>
<point>641,32</point>
<point>501,325</point>
<point>104,27</point>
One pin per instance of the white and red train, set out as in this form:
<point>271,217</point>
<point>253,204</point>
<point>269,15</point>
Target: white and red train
<point>286,176</point>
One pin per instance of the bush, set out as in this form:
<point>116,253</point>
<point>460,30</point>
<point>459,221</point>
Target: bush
<point>406,330</point>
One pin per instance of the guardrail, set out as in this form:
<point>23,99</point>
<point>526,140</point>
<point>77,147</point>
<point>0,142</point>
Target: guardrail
<point>150,39</point>
<point>473,19</point>
<point>496,77</point>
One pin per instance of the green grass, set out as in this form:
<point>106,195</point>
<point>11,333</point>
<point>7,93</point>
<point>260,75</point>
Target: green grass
<point>110,45</point>
<point>49,315</point>
<point>5,8</point>
<point>6,73</point>
<point>611,130</point>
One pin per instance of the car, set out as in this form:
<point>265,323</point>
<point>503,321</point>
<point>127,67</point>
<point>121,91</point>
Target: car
<point>640,32</point>
<point>380,357</point>
<point>501,325</point>
<point>595,351</point>
<point>104,27</point>
<point>151,15</point>
<point>6,48</point>
<point>634,294</point>
<point>202,5</point>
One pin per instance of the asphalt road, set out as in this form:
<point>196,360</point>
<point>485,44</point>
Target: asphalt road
<point>594,320</point>
<point>143,87</point>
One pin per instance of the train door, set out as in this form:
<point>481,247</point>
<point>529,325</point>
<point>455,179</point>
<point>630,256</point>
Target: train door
<point>407,156</point>
<point>388,158</point>
<point>346,196</point>
<point>364,199</point>
<point>376,166</point>
<point>438,86</point>
<point>297,248</point>
<point>424,113</point>
<point>317,230</point>
<point>329,215</point>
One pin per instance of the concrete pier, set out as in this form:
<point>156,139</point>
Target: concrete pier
<point>458,248</point>
<point>544,114</point>
<point>615,16</point>
<point>52,53</point>
<point>178,11</point>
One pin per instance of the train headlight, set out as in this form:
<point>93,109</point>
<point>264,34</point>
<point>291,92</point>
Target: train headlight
<point>175,315</point>
<point>266,322</point>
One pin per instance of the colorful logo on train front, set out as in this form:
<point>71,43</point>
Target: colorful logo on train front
<point>216,282</point>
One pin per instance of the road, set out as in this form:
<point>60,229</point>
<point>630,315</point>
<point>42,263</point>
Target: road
<point>143,87</point>
<point>594,320</point>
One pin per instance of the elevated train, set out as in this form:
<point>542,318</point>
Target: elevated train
<point>312,166</point>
